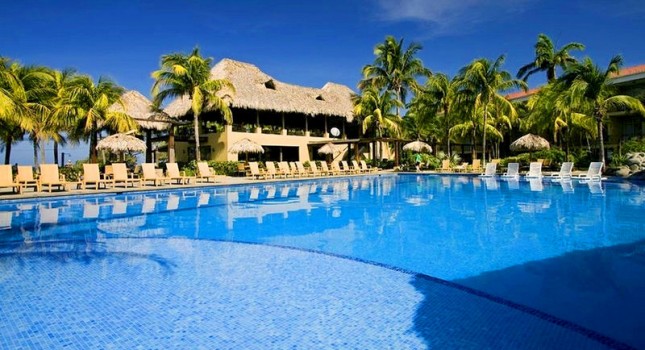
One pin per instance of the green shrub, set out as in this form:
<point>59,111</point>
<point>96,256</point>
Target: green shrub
<point>555,155</point>
<point>633,145</point>
<point>228,168</point>
<point>72,173</point>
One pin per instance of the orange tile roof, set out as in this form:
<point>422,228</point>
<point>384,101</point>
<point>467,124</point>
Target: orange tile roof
<point>622,73</point>
<point>630,71</point>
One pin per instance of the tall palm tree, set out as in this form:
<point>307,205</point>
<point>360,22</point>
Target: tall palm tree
<point>10,133</point>
<point>394,69</point>
<point>62,109</point>
<point>485,80</point>
<point>550,112</point>
<point>190,75</point>
<point>591,93</point>
<point>440,95</point>
<point>26,93</point>
<point>376,111</point>
<point>91,105</point>
<point>547,59</point>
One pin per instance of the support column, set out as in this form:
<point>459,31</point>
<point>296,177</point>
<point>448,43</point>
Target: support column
<point>258,128</point>
<point>326,133</point>
<point>284,130</point>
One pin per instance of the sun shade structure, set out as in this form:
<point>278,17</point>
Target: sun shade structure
<point>137,106</point>
<point>417,146</point>
<point>529,143</point>
<point>245,146</point>
<point>257,90</point>
<point>328,149</point>
<point>121,143</point>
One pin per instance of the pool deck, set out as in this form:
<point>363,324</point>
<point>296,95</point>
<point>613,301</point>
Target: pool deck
<point>73,189</point>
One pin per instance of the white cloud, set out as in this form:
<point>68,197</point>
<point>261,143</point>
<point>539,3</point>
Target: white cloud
<point>450,16</point>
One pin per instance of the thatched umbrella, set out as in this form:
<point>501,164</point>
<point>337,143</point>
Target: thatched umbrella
<point>328,149</point>
<point>139,108</point>
<point>119,143</point>
<point>417,146</point>
<point>245,146</point>
<point>529,143</point>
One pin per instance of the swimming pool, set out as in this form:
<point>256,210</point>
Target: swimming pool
<point>398,261</point>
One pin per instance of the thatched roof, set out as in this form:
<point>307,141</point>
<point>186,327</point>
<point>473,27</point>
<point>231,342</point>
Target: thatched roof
<point>328,148</point>
<point>137,106</point>
<point>257,90</point>
<point>529,143</point>
<point>121,143</point>
<point>245,146</point>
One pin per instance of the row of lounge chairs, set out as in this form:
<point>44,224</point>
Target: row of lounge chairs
<point>284,169</point>
<point>594,173</point>
<point>115,175</point>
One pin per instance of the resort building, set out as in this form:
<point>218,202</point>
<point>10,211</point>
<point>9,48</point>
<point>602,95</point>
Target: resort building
<point>621,126</point>
<point>290,122</point>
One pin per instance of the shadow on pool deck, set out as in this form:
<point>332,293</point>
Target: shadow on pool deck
<point>596,292</point>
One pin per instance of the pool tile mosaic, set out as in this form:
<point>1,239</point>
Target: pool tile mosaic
<point>180,293</point>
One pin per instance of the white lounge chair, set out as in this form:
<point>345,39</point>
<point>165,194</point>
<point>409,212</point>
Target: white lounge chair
<point>594,173</point>
<point>150,174</point>
<point>6,178</point>
<point>491,168</point>
<point>512,171</point>
<point>254,171</point>
<point>204,172</point>
<point>173,174</point>
<point>535,171</point>
<point>49,177</point>
<point>92,175</point>
<point>565,172</point>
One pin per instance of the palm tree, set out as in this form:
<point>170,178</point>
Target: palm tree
<point>26,90</point>
<point>376,111</point>
<point>91,105</point>
<point>440,95</point>
<point>63,111</point>
<point>547,59</point>
<point>10,133</point>
<point>550,112</point>
<point>485,80</point>
<point>590,93</point>
<point>190,75</point>
<point>394,69</point>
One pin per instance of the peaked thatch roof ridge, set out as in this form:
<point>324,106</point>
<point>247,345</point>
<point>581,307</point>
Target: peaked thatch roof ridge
<point>137,106</point>
<point>255,89</point>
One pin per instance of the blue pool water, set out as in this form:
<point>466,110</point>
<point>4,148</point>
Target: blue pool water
<point>400,261</point>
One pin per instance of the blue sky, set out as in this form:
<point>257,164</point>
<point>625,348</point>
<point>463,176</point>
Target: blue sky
<point>305,42</point>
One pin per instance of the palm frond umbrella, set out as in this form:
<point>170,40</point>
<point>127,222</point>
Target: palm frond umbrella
<point>328,149</point>
<point>417,146</point>
<point>245,146</point>
<point>139,108</point>
<point>120,143</point>
<point>529,143</point>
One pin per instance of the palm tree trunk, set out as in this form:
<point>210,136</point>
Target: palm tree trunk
<point>484,137</point>
<point>602,141</point>
<point>42,151</point>
<point>473,151</point>
<point>93,142</point>
<point>171,144</point>
<point>198,155</point>
<point>35,143</point>
<point>56,152</point>
<point>445,115</point>
<point>7,151</point>
<point>148,146</point>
